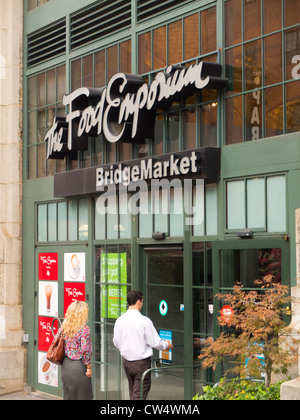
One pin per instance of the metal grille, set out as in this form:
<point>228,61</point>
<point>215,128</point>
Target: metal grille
<point>47,44</point>
<point>150,8</point>
<point>94,23</point>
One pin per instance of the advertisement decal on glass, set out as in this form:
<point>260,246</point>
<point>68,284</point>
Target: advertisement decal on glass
<point>113,295</point>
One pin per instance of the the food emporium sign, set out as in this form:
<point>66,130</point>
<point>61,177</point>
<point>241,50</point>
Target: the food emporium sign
<point>125,109</point>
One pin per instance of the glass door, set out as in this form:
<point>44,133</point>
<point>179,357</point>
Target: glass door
<point>164,305</point>
<point>244,261</point>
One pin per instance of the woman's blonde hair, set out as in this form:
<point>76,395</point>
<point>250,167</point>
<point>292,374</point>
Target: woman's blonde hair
<point>76,316</point>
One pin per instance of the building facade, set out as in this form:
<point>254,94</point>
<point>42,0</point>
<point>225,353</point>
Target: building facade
<point>12,354</point>
<point>161,153</point>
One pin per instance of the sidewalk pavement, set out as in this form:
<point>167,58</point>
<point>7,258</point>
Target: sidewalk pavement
<point>28,395</point>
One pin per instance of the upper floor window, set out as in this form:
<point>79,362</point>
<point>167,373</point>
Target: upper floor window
<point>32,4</point>
<point>262,54</point>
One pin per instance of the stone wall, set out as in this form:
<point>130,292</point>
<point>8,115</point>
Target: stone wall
<point>12,354</point>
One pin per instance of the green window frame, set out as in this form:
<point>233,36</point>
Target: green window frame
<point>61,221</point>
<point>257,203</point>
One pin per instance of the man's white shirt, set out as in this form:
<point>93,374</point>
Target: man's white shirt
<point>135,336</point>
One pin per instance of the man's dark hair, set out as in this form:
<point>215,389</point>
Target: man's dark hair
<point>133,296</point>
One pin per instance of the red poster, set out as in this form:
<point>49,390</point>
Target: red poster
<point>48,266</point>
<point>45,334</point>
<point>73,291</point>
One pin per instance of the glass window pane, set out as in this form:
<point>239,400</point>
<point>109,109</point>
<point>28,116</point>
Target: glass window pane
<point>256,203</point>
<point>197,213</point>
<point>161,210</point>
<point>100,69</point>
<point>32,91</point>
<point>112,225</point>
<point>208,125</point>
<point>145,53</point>
<point>173,132</point>
<point>60,82</point>
<point>41,90</point>
<point>76,74</point>
<point>159,48</point>
<point>273,59</point>
<point>42,222</point>
<point>51,90</point>
<point>191,36</point>
<point>272,15</point>
<point>273,111</point>
<point>234,114</point>
<point>176,212</point>
<point>52,219</point>
<point>293,106</point>
<point>253,65</point>
<point>233,22</point>
<point>189,128</point>
<point>276,204</point>
<point>211,209</point>
<point>62,221</point>
<point>125,57</point>
<point>175,42</point>
<point>252,17</point>
<point>72,220</point>
<point>41,156</point>
<point>125,216</point>
<point>32,126</point>
<point>253,103</point>
<point>83,228</point>
<point>236,205</point>
<point>112,61</point>
<point>32,162</point>
<point>99,223</point>
<point>87,67</point>
<point>145,215</point>
<point>208,30</point>
<point>234,71</point>
<point>292,42</point>
<point>292,12</point>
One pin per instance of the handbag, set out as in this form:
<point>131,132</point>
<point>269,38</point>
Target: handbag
<point>56,350</point>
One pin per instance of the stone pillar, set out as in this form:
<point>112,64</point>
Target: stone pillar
<point>291,390</point>
<point>12,354</point>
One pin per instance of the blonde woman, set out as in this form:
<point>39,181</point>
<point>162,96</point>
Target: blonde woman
<point>76,368</point>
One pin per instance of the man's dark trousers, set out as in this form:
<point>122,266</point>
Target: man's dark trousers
<point>134,370</point>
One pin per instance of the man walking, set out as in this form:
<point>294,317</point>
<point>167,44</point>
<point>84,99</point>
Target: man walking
<point>135,337</point>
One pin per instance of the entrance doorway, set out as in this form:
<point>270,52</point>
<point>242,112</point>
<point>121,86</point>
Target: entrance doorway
<point>163,289</point>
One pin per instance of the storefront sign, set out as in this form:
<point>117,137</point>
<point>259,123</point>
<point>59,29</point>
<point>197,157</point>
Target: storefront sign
<point>126,108</point>
<point>202,163</point>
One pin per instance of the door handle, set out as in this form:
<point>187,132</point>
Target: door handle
<point>59,320</point>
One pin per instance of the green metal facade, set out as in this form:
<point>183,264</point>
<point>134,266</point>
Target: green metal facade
<point>258,189</point>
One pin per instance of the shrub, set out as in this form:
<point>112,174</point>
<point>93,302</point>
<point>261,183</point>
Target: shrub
<point>240,390</point>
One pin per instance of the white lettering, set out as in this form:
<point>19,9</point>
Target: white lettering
<point>117,112</point>
<point>295,74</point>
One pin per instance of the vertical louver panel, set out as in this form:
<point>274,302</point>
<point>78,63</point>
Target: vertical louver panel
<point>47,43</point>
<point>150,8</point>
<point>107,17</point>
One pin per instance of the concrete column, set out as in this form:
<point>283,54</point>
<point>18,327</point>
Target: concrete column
<point>291,390</point>
<point>12,354</point>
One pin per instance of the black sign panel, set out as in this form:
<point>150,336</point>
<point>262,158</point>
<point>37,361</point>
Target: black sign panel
<point>202,163</point>
<point>126,109</point>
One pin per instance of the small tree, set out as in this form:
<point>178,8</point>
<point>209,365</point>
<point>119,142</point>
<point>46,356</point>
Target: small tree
<point>254,329</point>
